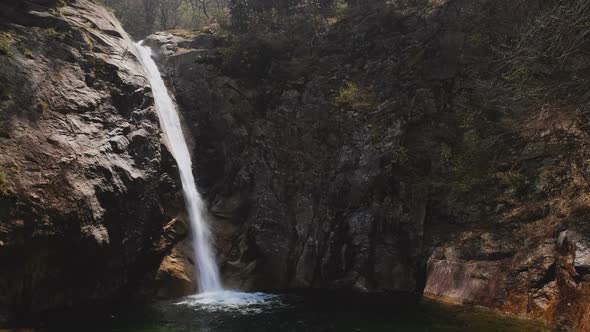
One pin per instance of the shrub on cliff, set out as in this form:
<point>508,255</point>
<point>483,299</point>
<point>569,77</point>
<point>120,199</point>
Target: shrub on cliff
<point>2,181</point>
<point>354,96</point>
<point>6,42</point>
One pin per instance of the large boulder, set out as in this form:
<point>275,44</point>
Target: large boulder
<point>87,189</point>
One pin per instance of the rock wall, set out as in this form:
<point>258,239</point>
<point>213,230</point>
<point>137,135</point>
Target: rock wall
<point>290,186</point>
<point>432,147</point>
<point>88,191</point>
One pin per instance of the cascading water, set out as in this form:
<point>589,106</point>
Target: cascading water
<point>212,296</point>
<point>206,267</point>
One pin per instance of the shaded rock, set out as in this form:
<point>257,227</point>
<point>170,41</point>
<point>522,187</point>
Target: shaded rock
<point>81,210</point>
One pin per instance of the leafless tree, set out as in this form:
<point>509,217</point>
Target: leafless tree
<point>149,12</point>
<point>169,13</point>
<point>143,17</point>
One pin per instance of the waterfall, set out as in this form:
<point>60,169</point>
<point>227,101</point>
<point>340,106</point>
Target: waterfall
<point>212,296</point>
<point>206,267</point>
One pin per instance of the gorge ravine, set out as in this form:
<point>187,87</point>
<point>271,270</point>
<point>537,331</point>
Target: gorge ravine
<point>460,174</point>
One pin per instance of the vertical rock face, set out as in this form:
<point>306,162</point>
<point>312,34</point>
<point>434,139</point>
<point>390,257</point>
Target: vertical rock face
<point>433,147</point>
<point>302,195</point>
<point>87,189</point>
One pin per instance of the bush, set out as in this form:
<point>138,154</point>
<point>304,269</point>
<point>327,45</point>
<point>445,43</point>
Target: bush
<point>399,155</point>
<point>88,40</point>
<point>5,92</point>
<point>353,96</point>
<point>26,52</point>
<point>6,43</point>
<point>3,181</point>
<point>512,180</point>
<point>42,106</point>
<point>51,32</point>
<point>468,165</point>
<point>185,33</point>
<point>340,7</point>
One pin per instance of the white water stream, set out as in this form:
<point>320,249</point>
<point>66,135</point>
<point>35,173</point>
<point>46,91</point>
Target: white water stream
<point>206,267</point>
<point>212,296</point>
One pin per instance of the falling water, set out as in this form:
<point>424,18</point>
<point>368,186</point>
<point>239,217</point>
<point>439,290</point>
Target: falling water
<point>206,268</point>
<point>212,296</point>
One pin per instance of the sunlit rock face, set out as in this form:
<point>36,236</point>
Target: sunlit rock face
<point>87,189</point>
<point>429,147</point>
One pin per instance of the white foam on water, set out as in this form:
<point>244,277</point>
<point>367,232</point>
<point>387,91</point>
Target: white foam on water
<point>227,300</point>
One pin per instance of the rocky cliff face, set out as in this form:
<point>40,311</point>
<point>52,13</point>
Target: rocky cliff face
<point>87,190</point>
<point>434,147</point>
<point>290,179</point>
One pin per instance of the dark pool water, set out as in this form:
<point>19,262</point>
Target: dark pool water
<point>285,313</point>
